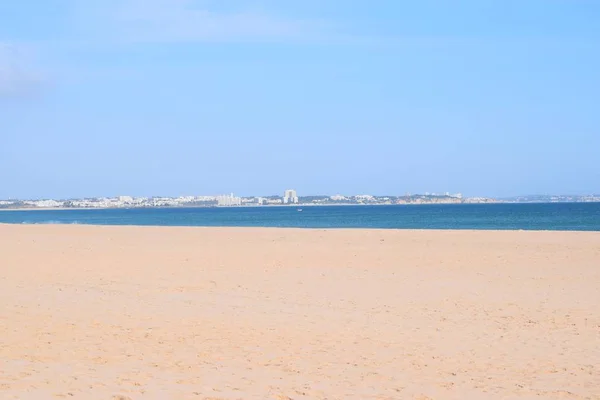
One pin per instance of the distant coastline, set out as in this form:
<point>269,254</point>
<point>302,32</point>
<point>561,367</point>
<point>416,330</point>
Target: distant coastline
<point>228,207</point>
<point>12,209</point>
<point>229,201</point>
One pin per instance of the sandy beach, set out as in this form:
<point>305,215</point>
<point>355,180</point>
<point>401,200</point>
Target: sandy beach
<point>92,312</point>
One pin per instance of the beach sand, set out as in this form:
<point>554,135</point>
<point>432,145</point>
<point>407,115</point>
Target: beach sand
<point>241,313</point>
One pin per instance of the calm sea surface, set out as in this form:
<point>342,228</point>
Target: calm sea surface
<point>556,216</point>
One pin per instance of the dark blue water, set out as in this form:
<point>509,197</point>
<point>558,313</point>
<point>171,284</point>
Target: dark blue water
<point>556,216</point>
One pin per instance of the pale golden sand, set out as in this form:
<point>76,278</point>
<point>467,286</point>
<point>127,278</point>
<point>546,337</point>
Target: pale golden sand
<point>198,313</point>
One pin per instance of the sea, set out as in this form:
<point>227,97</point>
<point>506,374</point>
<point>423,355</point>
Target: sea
<point>551,216</point>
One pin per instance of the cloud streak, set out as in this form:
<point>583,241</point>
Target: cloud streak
<point>188,21</point>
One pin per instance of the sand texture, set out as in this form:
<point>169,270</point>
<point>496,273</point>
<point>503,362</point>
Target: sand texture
<point>232,313</point>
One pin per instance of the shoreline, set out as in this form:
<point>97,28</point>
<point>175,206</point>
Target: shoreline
<point>228,207</point>
<point>294,228</point>
<point>290,206</point>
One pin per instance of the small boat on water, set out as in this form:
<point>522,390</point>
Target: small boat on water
<point>299,210</point>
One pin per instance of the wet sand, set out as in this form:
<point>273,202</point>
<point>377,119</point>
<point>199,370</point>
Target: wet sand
<point>241,313</point>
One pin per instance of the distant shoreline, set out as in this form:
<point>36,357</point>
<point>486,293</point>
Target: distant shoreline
<point>286,205</point>
<point>222,207</point>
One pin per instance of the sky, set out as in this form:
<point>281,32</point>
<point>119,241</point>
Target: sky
<point>190,97</point>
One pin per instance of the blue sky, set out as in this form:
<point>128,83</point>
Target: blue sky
<point>174,97</point>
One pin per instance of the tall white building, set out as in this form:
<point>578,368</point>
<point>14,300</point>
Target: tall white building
<point>229,200</point>
<point>290,197</point>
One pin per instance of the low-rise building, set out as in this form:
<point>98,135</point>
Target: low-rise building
<point>338,197</point>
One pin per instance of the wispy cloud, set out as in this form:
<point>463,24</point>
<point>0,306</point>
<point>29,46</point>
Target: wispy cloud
<point>188,21</point>
<point>17,76</point>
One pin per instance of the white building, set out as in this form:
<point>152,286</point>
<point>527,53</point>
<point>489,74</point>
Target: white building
<point>205,198</point>
<point>229,200</point>
<point>44,203</point>
<point>290,196</point>
<point>338,197</point>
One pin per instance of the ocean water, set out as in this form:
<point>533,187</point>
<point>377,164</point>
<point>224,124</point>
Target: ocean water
<point>555,216</point>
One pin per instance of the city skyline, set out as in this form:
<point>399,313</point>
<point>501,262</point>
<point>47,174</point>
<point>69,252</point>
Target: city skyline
<point>290,194</point>
<point>289,198</point>
<point>333,195</point>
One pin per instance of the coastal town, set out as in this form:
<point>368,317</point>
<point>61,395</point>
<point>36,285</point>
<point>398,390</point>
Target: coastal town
<point>289,198</point>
